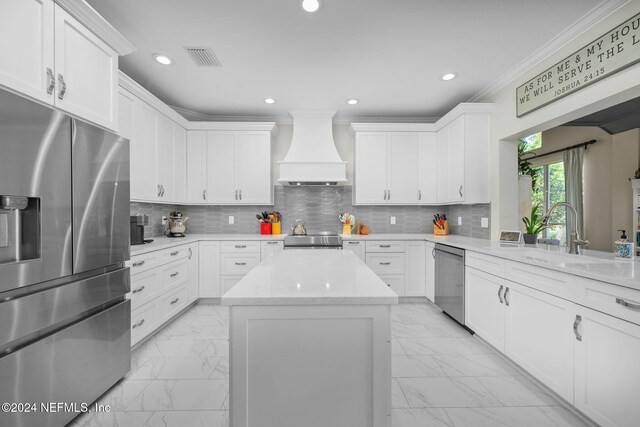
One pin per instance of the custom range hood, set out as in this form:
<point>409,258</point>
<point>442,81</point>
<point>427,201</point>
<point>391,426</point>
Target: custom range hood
<point>312,158</point>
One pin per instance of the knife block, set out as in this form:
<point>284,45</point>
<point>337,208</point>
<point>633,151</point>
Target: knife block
<point>440,232</point>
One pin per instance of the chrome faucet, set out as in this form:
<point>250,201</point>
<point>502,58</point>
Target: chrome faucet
<point>574,242</point>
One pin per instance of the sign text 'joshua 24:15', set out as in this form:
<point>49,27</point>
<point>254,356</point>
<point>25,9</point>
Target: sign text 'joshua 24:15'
<point>614,51</point>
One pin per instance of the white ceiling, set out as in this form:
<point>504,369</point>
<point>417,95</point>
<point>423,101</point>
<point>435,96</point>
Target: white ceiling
<point>389,54</point>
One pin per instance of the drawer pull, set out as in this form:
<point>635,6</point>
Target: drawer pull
<point>353,243</point>
<point>385,263</point>
<point>241,263</point>
<point>388,284</point>
<point>499,294</point>
<point>175,274</point>
<point>138,264</point>
<point>140,289</point>
<point>140,323</point>
<point>190,253</point>
<point>628,304</point>
<point>241,246</point>
<point>506,296</point>
<point>174,301</point>
<point>174,253</point>
<point>385,246</point>
<point>576,323</point>
<point>272,243</point>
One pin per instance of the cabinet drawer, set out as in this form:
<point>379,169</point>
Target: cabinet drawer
<point>271,247</point>
<point>144,320</point>
<point>144,288</point>
<point>228,282</point>
<point>386,263</point>
<point>240,246</point>
<point>144,262</point>
<point>175,273</point>
<point>614,300</point>
<point>174,254</point>
<point>173,302</point>
<point>395,282</point>
<point>487,263</point>
<point>238,264</point>
<point>542,279</point>
<point>355,246</point>
<point>388,246</point>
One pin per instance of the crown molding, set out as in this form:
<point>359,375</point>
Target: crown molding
<point>392,127</point>
<point>194,116</point>
<point>130,85</point>
<point>91,19</point>
<point>235,126</point>
<point>591,18</point>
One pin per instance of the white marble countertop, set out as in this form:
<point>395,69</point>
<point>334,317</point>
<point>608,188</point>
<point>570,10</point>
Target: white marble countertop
<point>595,265</point>
<point>310,277</point>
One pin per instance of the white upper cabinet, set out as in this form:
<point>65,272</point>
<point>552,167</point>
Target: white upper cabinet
<point>26,43</point>
<point>50,56</point>
<point>179,163</point>
<point>370,168</point>
<point>143,156</point>
<point>221,167</point>
<point>427,168</point>
<point>164,159</point>
<point>386,168</point>
<point>196,167</point>
<point>254,167</point>
<point>86,72</point>
<point>446,162</point>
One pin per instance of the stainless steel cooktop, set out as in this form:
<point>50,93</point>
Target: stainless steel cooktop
<point>323,240</point>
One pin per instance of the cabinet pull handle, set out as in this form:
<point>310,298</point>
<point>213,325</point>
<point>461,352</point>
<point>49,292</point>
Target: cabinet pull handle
<point>385,246</point>
<point>138,264</point>
<point>272,243</point>
<point>174,301</point>
<point>385,195</point>
<point>385,263</point>
<point>419,195</point>
<point>236,194</point>
<point>576,323</point>
<point>506,296</point>
<point>628,304</point>
<point>63,86</point>
<point>204,194</point>
<point>159,190</point>
<point>460,191</point>
<point>241,263</point>
<point>140,323</point>
<point>388,194</point>
<point>190,253</point>
<point>140,289</point>
<point>174,253</point>
<point>389,284</point>
<point>353,243</point>
<point>433,253</point>
<point>500,294</point>
<point>240,193</point>
<point>175,274</point>
<point>51,81</point>
<point>162,186</point>
<point>240,246</point>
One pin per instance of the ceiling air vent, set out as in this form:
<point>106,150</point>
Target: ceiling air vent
<point>203,56</point>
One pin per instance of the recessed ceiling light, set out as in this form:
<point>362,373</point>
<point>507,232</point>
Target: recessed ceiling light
<point>311,5</point>
<point>352,101</point>
<point>448,76</point>
<point>270,101</point>
<point>162,59</point>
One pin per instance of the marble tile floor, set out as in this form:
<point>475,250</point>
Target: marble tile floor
<point>442,376</point>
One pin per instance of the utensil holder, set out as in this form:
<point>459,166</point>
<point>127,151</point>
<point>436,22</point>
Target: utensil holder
<point>346,229</point>
<point>439,231</point>
<point>265,228</point>
<point>276,228</point>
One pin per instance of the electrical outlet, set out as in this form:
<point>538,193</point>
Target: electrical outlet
<point>164,220</point>
<point>393,220</point>
<point>484,222</point>
<point>232,220</point>
<point>459,220</point>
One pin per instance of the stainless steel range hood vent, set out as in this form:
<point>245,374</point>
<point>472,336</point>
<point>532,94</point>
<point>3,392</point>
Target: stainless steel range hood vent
<point>312,158</point>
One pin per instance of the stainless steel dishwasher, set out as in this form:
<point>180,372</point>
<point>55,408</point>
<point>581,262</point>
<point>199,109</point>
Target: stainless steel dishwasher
<point>449,295</point>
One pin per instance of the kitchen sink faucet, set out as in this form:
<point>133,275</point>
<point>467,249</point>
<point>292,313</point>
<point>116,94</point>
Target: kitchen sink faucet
<point>575,242</point>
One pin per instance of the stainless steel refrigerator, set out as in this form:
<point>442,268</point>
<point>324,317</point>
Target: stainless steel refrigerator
<point>64,238</point>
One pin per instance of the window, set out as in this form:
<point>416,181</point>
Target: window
<point>549,188</point>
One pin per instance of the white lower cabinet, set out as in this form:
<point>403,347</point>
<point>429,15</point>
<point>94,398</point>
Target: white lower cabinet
<point>414,268</point>
<point>607,372</point>
<point>395,282</point>
<point>228,282</point>
<point>355,246</point>
<point>484,306</point>
<point>237,258</point>
<point>163,283</point>
<point>539,336</point>
<point>430,271</point>
<point>270,248</point>
<point>209,278</point>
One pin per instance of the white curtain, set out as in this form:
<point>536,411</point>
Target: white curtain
<point>573,161</point>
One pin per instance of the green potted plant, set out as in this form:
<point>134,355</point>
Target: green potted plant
<point>533,225</point>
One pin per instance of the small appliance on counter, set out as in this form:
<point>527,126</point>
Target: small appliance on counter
<point>176,225</point>
<point>136,228</point>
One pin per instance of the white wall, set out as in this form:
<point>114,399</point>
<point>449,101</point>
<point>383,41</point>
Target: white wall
<point>506,128</point>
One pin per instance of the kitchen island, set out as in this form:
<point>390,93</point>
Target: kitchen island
<point>310,343</point>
